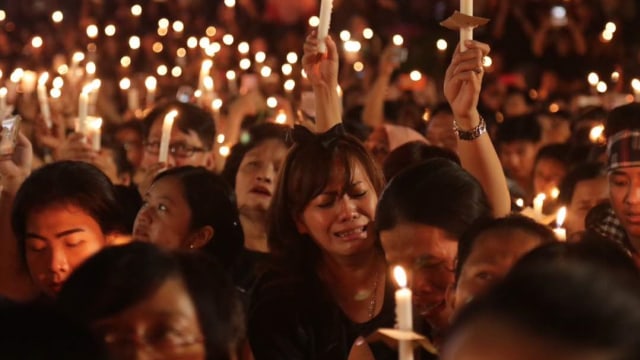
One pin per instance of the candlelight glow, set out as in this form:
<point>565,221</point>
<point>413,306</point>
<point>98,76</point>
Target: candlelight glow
<point>281,118</point>
<point>555,192</point>
<point>610,27</point>
<point>134,42</point>
<point>554,108</point>
<point>58,82</point>
<point>110,30</point>
<point>224,151</point>
<point>228,39</point>
<point>593,79</point>
<point>16,75</point>
<point>125,83</point>
<point>345,35</point>
<point>260,57</point>
<point>36,42</point>
<point>230,3</point>
<point>596,134</point>
<point>520,202</point>
<point>358,66</point>
<point>635,84</point>
<point>192,42</point>
<point>211,31</point>
<point>607,36</point>
<point>220,139</point>
<point>204,42</point>
<point>272,102</point>
<point>265,71</point>
<point>63,69</point>
<point>561,216</point>
<point>303,74</point>
<point>208,83</point>
<point>398,40</point>
<point>92,31</point>
<point>231,75</point>
<point>615,76</point>
<point>245,64</point>
<point>400,276</point>
<point>243,47</point>
<point>77,57</point>
<point>181,52</point>
<point>289,85</point>
<point>90,67</point>
<point>150,83</point>
<point>3,92</point>
<point>57,16</point>
<point>162,70</point>
<point>163,31</point>
<point>157,47</point>
<point>415,75</point>
<point>352,46</point>
<point>125,61</point>
<point>487,61</point>
<point>96,124</point>
<point>367,33</point>
<point>442,44</point>
<point>602,87</point>
<point>217,105</point>
<point>55,93</point>
<point>44,77</point>
<point>136,10</point>
<point>163,23</point>
<point>287,69</point>
<point>176,71</point>
<point>292,57</point>
<point>178,26</point>
<point>314,21</point>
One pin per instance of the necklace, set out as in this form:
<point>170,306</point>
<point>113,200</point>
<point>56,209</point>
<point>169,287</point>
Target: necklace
<point>374,298</point>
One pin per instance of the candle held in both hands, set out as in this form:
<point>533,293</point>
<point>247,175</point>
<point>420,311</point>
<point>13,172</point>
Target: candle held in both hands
<point>167,125</point>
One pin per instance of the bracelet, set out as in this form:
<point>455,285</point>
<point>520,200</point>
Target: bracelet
<point>472,134</point>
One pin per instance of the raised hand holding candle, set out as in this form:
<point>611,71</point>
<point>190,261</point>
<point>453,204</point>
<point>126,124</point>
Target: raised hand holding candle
<point>561,233</point>
<point>166,135</point>
<point>404,312</point>
<point>466,33</point>
<point>325,20</point>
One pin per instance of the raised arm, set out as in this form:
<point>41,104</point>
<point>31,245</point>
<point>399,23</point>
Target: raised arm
<point>462,86</point>
<point>15,282</point>
<point>373,112</point>
<point>322,71</point>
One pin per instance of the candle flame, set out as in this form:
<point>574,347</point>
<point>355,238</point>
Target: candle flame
<point>96,124</point>
<point>150,82</point>
<point>44,77</point>
<point>595,135</point>
<point>520,202</point>
<point>554,193</point>
<point>561,216</point>
<point>400,275</point>
<point>170,117</point>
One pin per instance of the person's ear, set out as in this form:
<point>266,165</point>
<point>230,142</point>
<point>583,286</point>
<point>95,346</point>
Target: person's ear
<point>210,160</point>
<point>450,298</point>
<point>201,237</point>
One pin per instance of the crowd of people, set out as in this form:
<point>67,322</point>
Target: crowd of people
<point>247,194</point>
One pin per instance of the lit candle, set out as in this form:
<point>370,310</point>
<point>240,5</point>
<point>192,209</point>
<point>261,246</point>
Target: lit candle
<point>466,33</point>
<point>29,80</point>
<point>205,69</point>
<point>404,312</point>
<point>150,83</point>
<point>83,109</point>
<point>166,135</point>
<point>96,132</point>
<point>596,134</point>
<point>133,100</point>
<point>561,233</point>
<point>3,102</point>
<point>281,118</point>
<point>232,83</point>
<point>43,99</point>
<point>555,192</point>
<point>538,203</point>
<point>635,84</point>
<point>323,27</point>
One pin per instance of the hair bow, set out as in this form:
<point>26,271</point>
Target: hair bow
<point>302,135</point>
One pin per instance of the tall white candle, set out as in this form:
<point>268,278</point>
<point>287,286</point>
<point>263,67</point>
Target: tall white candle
<point>133,100</point>
<point>83,109</point>
<point>96,133</point>
<point>3,102</point>
<point>166,135</point>
<point>43,99</point>
<point>205,69</point>
<point>561,233</point>
<point>325,20</point>
<point>466,33</point>
<point>404,312</point>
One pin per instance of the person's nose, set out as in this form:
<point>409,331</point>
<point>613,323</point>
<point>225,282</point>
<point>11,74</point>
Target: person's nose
<point>348,208</point>
<point>58,263</point>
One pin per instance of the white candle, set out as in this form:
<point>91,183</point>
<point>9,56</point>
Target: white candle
<point>96,133</point>
<point>133,100</point>
<point>3,102</point>
<point>166,135</point>
<point>404,312</point>
<point>29,80</point>
<point>232,82</point>
<point>466,33</point>
<point>43,99</point>
<point>325,21</point>
<point>205,69</point>
<point>83,109</point>
<point>635,84</point>
<point>150,83</point>
<point>561,233</point>
<point>538,203</point>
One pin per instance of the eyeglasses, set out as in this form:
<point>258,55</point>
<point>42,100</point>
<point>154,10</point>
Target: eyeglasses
<point>176,150</point>
<point>163,340</point>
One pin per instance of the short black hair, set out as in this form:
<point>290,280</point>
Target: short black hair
<point>212,202</point>
<point>250,139</point>
<point>119,277</point>
<point>571,304</point>
<point>412,153</point>
<point>510,222</point>
<point>581,172</point>
<point>519,128</point>
<point>190,118</point>
<point>438,193</point>
<point>67,183</point>
<point>625,117</point>
<point>557,152</point>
